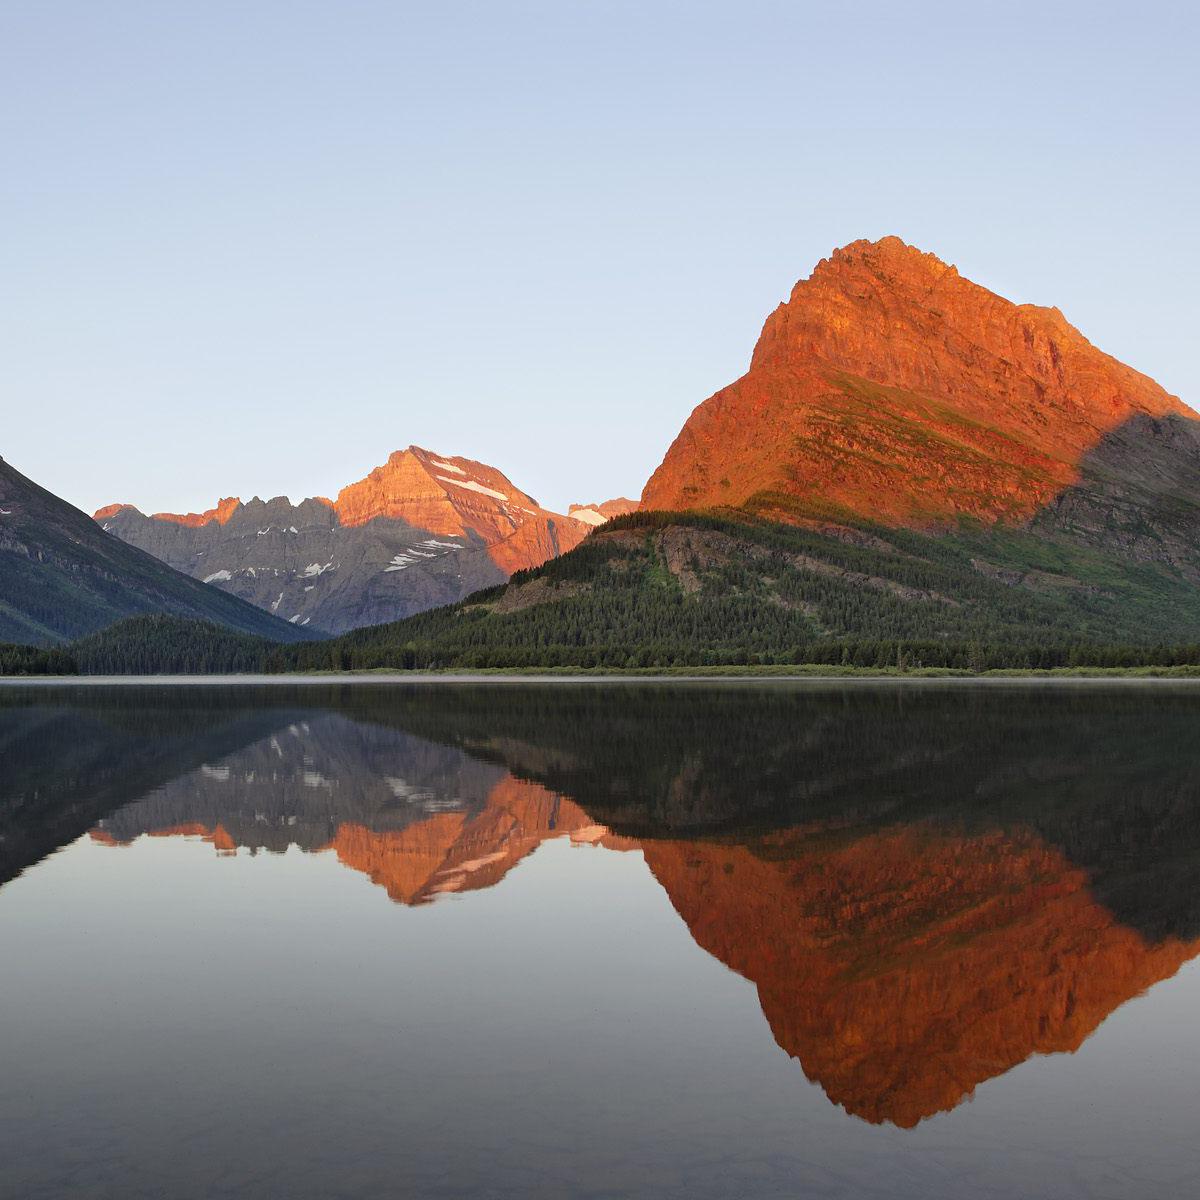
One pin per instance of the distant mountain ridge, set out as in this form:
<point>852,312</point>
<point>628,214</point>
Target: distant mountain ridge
<point>62,578</point>
<point>421,530</point>
<point>599,514</point>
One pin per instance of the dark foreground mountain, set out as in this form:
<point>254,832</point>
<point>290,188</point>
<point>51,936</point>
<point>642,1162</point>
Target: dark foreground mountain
<point>421,530</point>
<point>62,577</point>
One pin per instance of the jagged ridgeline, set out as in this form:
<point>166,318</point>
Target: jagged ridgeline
<point>421,530</point>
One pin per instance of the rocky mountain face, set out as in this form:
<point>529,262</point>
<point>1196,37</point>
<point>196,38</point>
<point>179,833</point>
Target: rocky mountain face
<point>891,388</point>
<point>62,578</point>
<point>420,531</point>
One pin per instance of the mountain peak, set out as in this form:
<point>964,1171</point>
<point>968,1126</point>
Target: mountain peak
<point>889,256</point>
<point>419,530</point>
<point>442,494</point>
<point>890,385</point>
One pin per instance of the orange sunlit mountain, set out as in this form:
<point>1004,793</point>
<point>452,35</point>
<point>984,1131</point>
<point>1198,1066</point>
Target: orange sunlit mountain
<point>891,387</point>
<point>457,851</point>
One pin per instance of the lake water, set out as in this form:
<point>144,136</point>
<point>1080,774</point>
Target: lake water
<point>600,940</point>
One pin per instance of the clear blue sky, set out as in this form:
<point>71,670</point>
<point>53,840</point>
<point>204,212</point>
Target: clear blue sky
<point>253,247</point>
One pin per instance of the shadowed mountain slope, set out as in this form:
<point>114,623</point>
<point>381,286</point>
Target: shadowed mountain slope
<point>61,576</point>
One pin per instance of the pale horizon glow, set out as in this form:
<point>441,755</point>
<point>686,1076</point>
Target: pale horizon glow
<point>253,249</point>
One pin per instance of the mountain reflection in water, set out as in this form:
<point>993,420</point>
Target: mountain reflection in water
<point>926,885</point>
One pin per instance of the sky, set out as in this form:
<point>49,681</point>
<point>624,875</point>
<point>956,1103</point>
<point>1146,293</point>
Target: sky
<point>251,248</point>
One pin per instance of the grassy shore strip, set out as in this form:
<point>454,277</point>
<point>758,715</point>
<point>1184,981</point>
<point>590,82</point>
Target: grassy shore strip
<point>730,672</point>
<point>819,671</point>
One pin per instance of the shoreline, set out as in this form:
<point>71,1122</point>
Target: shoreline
<point>857,675</point>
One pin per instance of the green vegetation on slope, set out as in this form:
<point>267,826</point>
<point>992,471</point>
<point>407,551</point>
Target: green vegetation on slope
<point>165,645</point>
<point>707,589</point>
<point>155,644</point>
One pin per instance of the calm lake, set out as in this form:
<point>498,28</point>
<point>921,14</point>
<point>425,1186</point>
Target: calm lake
<point>779,939</point>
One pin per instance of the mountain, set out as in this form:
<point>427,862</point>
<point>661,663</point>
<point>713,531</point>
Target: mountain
<point>914,469</point>
<point>891,388</point>
<point>598,514</point>
<point>419,531</point>
<point>62,577</point>
<point>963,955</point>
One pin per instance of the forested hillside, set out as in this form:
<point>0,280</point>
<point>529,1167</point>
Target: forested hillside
<point>164,645</point>
<point>693,589</point>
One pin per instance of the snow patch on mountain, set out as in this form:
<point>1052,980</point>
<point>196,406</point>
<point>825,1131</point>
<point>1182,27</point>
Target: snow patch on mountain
<point>474,487</point>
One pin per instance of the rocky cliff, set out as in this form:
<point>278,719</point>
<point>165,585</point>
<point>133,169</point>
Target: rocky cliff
<point>419,531</point>
<point>890,387</point>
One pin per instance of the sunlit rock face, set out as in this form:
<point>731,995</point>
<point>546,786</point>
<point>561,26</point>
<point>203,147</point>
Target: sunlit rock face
<point>418,531</point>
<point>890,387</point>
<point>224,509</point>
